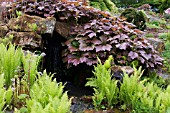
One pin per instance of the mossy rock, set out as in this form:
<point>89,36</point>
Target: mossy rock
<point>95,5</point>
<point>104,5</point>
<point>138,18</point>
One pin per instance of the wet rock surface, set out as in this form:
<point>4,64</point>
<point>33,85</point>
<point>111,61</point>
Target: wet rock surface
<point>25,23</point>
<point>62,28</point>
<point>3,30</point>
<point>29,40</point>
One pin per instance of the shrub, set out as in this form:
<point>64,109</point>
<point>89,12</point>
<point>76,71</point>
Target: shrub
<point>105,5</point>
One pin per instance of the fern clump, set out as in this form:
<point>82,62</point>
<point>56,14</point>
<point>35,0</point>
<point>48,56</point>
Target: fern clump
<point>106,90</point>
<point>46,96</point>
<point>10,61</point>
<point>30,65</point>
<point>5,95</point>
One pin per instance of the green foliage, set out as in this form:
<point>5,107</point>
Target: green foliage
<point>149,35</point>
<point>129,91</point>
<point>162,36</point>
<point>30,65</point>
<point>137,94</point>
<point>166,52</point>
<point>33,26</point>
<point>46,96</point>
<point>106,90</point>
<point>6,95</point>
<point>104,5</point>
<point>6,40</point>
<point>152,25</point>
<point>18,13</point>
<point>138,18</point>
<point>10,60</point>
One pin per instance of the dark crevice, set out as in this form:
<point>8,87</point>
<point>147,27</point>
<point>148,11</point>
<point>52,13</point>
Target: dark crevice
<point>53,60</point>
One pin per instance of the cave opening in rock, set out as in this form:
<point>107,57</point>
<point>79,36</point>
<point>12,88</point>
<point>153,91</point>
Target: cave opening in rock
<point>53,59</point>
<point>75,77</point>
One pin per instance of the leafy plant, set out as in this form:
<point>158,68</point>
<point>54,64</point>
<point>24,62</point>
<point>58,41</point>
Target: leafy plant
<point>106,90</point>
<point>18,13</point>
<point>6,95</point>
<point>163,36</point>
<point>136,94</point>
<point>10,60</point>
<point>130,92</point>
<point>33,26</point>
<point>104,37</point>
<point>150,25</point>
<point>166,52</point>
<point>105,5</point>
<point>30,65</point>
<point>138,18</point>
<point>6,40</point>
<point>149,35</point>
<point>47,96</point>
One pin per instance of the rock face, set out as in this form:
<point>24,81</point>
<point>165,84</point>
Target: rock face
<point>158,44</point>
<point>3,30</point>
<point>28,40</point>
<point>117,71</point>
<point>27,23</point>
<point>145,7</point>
<point>62,28</point>
<point>27,30</point>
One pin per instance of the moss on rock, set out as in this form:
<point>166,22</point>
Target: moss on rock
<point>104,5</point>
<point>136,17</point>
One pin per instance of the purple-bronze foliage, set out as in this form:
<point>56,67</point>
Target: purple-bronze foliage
<point>97,34</point>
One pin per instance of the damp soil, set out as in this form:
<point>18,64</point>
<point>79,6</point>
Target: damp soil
<point>82,100</point>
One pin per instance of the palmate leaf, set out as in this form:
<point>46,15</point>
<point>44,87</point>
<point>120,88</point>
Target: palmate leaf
<point>84,47</point>
<point>107,47</point>
<point>91,35</point>
<point>75,60</point>
<point>146,56</point>
<point>133,55</point>
<point>142,60</point>
<point>87,26</point>
<point>122,46</point>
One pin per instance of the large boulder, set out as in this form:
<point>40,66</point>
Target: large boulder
<point>28,40</point>
<point>27,23</point>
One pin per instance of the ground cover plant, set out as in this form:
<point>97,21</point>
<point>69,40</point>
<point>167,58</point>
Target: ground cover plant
<point>47,96</point>
<point>26,90</point>
<point>134,94</point>
<point>94,35</point>
<point>104,35</point>
<point>10,59</point>
<point>6,95</point>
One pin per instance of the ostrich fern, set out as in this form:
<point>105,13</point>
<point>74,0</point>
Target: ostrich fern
<point>10,60</point>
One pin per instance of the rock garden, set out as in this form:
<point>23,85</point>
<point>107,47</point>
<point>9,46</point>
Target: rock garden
<point>96,56</point>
